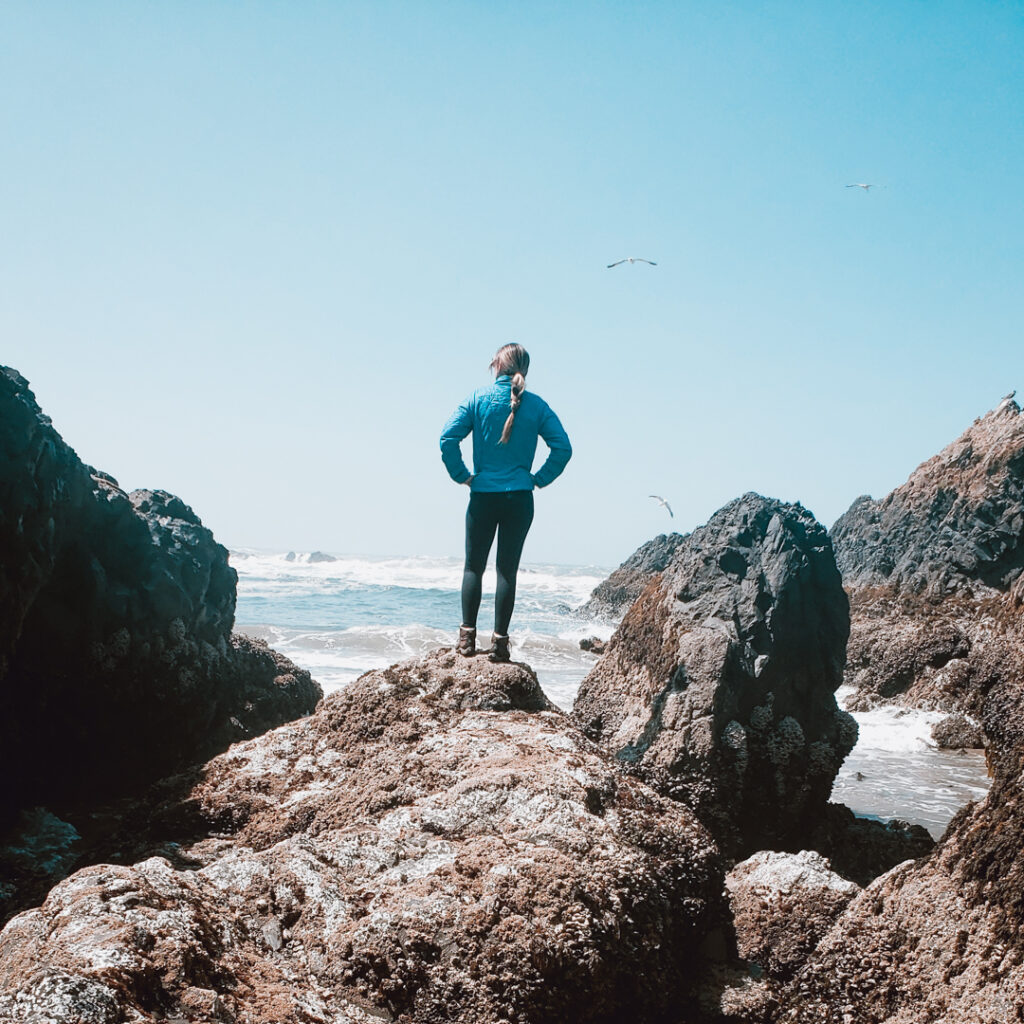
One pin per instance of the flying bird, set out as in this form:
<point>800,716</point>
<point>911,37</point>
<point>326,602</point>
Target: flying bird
<point>864,186</point>
<point>632,259</point>
<point>662,502</point>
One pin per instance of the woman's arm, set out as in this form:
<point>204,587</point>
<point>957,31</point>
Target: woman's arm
<point>457,428</point>
<point>557,440</point>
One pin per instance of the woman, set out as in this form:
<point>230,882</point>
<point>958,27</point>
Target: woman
<point>506,421</point>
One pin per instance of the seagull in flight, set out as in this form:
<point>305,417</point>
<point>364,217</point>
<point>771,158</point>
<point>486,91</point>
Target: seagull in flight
<point>632,259</point>
<point>662,502</point>
<point>861,184</point>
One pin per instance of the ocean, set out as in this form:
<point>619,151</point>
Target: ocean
<point>341,617</point>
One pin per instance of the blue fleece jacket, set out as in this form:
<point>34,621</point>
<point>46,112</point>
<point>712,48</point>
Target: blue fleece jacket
<point>504,467</point>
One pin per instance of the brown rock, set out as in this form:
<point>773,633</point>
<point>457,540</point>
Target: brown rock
<point>782,904</point>
<point>861,849</point>
<point>613,596</point>
<point>436,843</point>
<point>929,568</point>
<point>955,526</point>
<point>939,940</point>
<point>958,732</point>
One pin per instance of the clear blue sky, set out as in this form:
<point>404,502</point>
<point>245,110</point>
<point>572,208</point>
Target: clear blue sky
<point>255,253</point>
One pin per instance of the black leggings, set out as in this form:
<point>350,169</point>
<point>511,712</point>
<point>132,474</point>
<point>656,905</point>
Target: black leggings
<point>510,513</point>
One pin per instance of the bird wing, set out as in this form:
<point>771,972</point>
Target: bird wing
<point>669,507</point>
<point>656,497</point>
<point>615,264</point>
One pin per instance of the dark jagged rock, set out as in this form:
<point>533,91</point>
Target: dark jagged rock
<point>929,567</point>
<point>718,685</point>
<point>861,849</point>
<point>320,556</point>
<point>116,658</point>
<point>593,645</point>
<point>612,597</point>
<point>437,843</point>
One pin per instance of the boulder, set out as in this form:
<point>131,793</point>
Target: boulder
<point>436,843</point>
<point>861,849</point>
<point>613,596</point>
<point>117,663</point>
<point>782,904</point>
<point>958,732</point>
<point>718,686</point>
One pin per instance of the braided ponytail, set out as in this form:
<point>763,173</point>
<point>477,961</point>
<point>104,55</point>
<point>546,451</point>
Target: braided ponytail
<point>518,387</point>
<point>514,360</point>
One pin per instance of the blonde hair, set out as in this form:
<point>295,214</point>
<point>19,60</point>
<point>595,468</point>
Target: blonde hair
<point>513,360</point>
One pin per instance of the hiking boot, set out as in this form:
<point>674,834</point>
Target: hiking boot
<point>467,641</point>
<point>499,648</point>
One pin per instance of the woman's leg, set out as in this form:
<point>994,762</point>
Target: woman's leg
<point>481,522</point>
<point>514,525</point>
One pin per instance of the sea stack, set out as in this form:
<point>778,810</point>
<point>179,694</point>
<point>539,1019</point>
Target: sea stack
<point>718,686</point>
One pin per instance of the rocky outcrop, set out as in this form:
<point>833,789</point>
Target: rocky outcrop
<point>958,732</point>
<point>718,686</point>
<point>940,940</point>
<point>956,525</point>
<point>117,663</point>
<point>436,843</point>
<point>612,597</point>
<point>929,568</point>
<point>782,904</point>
